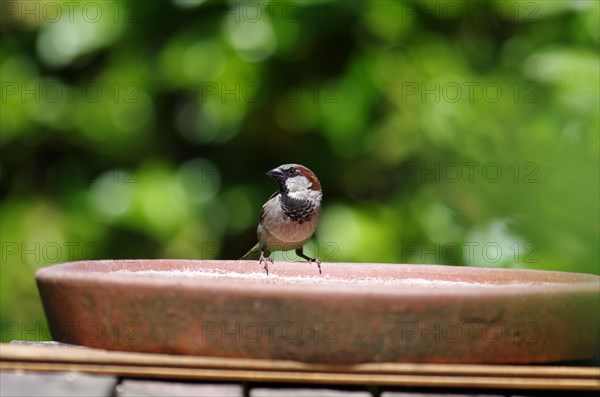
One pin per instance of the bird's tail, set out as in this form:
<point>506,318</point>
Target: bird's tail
<point>253,254</point>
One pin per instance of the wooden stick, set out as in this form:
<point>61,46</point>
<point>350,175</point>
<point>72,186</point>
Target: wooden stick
<point>311,377</point>
<point>36,358</point>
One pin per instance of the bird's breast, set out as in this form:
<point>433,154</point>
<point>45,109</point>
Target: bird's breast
<point>279,231</point>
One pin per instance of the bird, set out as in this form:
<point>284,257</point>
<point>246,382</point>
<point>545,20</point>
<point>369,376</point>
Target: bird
<point>290,216</point>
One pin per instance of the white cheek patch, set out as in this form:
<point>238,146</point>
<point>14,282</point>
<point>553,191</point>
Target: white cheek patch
<point>298,184</point>
<point>311,195</point>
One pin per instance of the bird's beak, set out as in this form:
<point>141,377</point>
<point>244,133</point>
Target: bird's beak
<point>276,174</point>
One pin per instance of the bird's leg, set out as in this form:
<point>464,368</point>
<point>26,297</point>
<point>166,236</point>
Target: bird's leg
<point>300,253</point>
<point>264,259</point>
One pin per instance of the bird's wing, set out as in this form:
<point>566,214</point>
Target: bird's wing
<point>262,211</point>
<point>254,252</point>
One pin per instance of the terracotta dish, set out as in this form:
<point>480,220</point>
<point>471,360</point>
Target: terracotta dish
<point>352,313</point>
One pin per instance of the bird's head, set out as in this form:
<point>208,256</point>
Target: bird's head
<point>294,179</point>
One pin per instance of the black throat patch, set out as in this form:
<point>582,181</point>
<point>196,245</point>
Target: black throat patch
<point>297,210</point>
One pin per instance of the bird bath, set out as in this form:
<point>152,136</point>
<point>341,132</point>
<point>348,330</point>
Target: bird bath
<point>352,313</point>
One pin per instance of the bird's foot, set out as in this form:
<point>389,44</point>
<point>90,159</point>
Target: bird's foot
<point>300,253</point>
<point>317,261</point>
<point>266,260</point>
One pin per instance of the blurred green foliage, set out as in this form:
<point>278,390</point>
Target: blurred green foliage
<point>447,132</point>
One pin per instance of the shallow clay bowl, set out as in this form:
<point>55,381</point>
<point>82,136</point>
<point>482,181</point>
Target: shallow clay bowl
<point>353,312</point>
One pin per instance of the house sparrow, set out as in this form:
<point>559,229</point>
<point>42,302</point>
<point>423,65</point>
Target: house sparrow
<point>290,216</point>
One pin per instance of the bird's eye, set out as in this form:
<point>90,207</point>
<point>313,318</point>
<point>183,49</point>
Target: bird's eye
<point>293,171</point>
